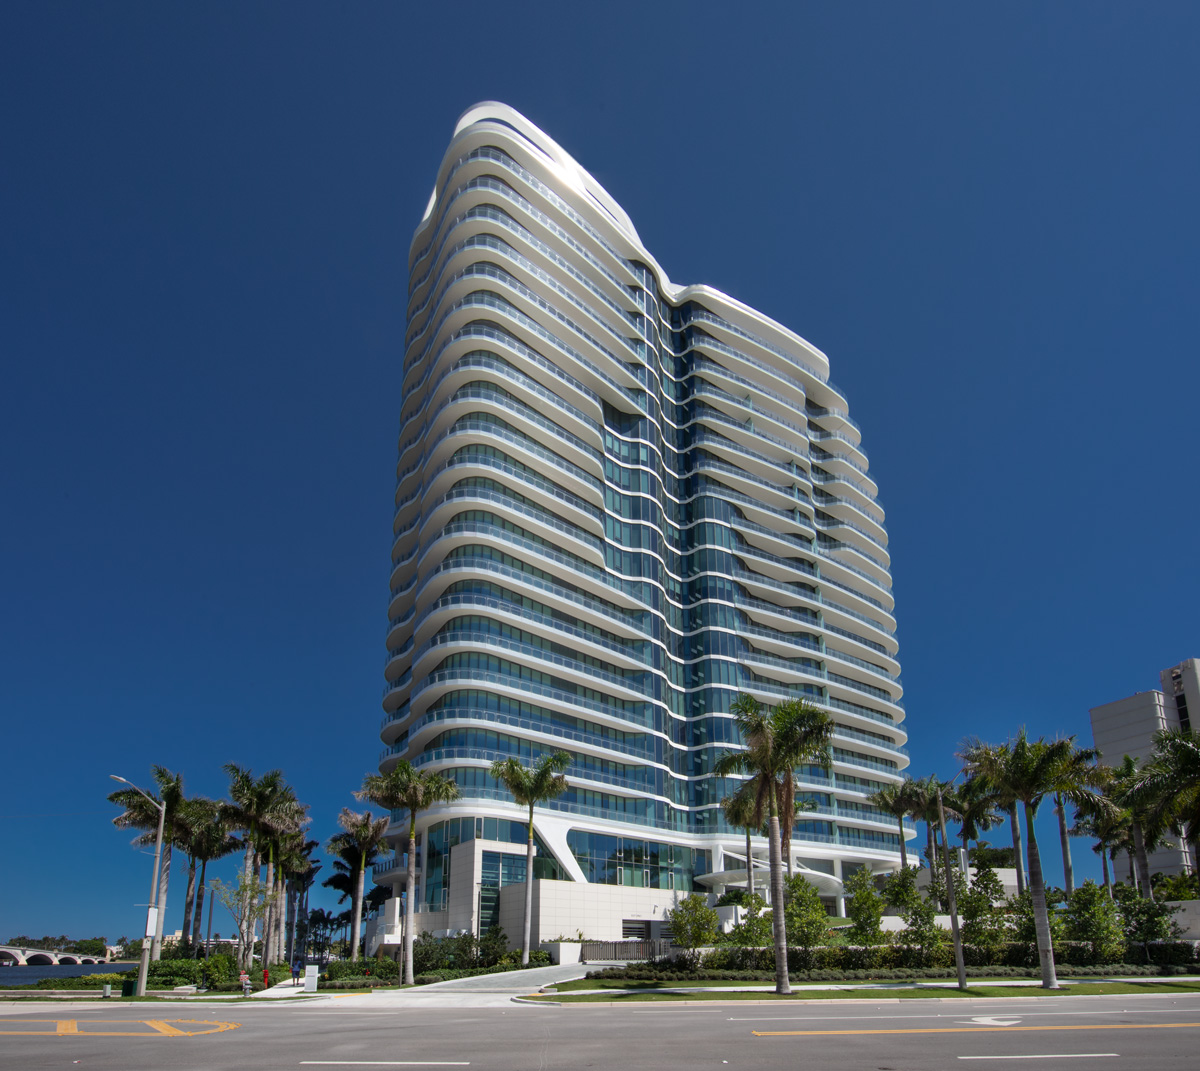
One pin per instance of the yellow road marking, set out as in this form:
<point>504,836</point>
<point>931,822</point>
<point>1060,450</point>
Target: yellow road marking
<point>973,1029</point>
<point>163,1027</point>
<point>159,1028</point>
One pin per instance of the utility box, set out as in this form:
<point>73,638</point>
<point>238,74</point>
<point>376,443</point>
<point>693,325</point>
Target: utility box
<point>310,978</point>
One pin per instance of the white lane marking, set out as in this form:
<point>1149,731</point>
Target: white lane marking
<point>1045,1056</point>
<point>940,1015</point>
<point>388,1063</point>
<point>988,1020</point>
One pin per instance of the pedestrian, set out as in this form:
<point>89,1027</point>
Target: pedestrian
<point>297,969</point>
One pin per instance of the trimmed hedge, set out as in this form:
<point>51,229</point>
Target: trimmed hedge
<point>86,981</point>
<point>363,968</point>
<point>911,957</point>
<point>652,974</point>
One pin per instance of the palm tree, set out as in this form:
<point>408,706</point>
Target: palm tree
<point>1106,824</point>
<point>208,838</point>
<point>299,872</point>
<point>1072,782</point>
<point>743,810</point>
<point>1027,770</point>
<point>1129,793</point>
<point>358,844</point>
<point>405,788</point>
<point>1170,782</point>
<point>320,930</point>
<point>259,807</point>
<point>898,801</point>
<point>977,754</point>
<point>976,808</point>
<point>776,742</point>
<point>923,794</point>
<point>529,786</point>
<point>140,813</point>
<point>284,828</point>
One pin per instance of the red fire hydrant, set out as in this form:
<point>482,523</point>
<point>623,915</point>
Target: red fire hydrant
<point>266,978</point>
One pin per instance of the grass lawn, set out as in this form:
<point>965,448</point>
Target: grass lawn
<point>1033,989</point>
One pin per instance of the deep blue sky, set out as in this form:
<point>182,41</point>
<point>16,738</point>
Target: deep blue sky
<point>986,217</point>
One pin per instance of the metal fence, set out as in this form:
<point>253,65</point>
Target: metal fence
<point>590,951</point>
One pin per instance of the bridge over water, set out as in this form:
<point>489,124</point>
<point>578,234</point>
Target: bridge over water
<point>42,957</point>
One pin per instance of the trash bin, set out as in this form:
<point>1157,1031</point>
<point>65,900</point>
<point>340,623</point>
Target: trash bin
<point>128,987</point>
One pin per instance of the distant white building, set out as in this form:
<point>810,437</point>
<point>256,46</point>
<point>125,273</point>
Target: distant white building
<point>1127,727</point>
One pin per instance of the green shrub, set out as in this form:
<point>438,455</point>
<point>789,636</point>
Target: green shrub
<point>236,986</point>
<point>363,982</point>
<point>427,979</point>
<point>220,967</point>
<point>185,971</point>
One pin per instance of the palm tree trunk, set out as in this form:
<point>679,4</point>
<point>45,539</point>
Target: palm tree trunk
<point>268,936</point>
<point>410,893</point>
<point>1104,867</point>
<point>749,866</point>
<point>246,925</point>
<point>1065,838</point>
<point>281,915</point>
<point>189,900</point>
<point>1041,917</point>
<point>360,880</point>
<point>903,846</point>
<point>164,879</point>
<point>1143,863</point>
<point>781,965</point>
<point>1018,855</point>
<point>528,892</point>
<point>929,847</point>
<point>199,909</point>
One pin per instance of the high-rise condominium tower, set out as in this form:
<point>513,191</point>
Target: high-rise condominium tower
<point>619,503</point>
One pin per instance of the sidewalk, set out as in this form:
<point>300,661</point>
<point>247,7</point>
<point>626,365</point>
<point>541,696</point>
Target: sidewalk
<point>282,991</point>
<point>482,991</point>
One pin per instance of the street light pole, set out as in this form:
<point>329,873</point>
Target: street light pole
<point>152,908</point>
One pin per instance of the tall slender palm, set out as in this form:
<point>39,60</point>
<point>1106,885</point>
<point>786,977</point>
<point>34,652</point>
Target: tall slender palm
<point>1170,784</point>
<point>358,844</point>
<point>285,823</point>
<point>898,801</point>
<point>405,788</point>
<point>1073,782</point>
<point>529,786</point>
<point>192,816</point>
<point>299,871</point>
<point>320,931</point>
<point>1027,770</point>
<point>976,754</point>
<point>743,810</point>
<point>211,838</point>
<point>925,795</point>
<point>258,806</point>
<point>777,741</point>
<point>139,813</point>
<point>1106,824</point>
<point>1129,792</point>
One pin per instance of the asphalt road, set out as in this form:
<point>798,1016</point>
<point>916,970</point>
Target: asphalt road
<point>1146,1032</point>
